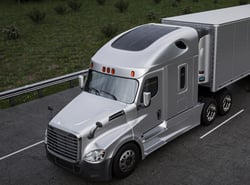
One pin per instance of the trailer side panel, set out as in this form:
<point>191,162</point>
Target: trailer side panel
<point>232,60</point>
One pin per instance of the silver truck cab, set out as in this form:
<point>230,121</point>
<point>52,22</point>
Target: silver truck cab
<point>149,85</point>
<point>141,92</point>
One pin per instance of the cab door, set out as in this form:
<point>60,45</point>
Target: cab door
<point>150,116</point>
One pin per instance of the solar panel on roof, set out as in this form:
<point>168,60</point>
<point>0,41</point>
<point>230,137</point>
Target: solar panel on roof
<point>141,37</point>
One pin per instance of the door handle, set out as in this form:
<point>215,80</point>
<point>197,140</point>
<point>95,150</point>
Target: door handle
<point>159,114</point>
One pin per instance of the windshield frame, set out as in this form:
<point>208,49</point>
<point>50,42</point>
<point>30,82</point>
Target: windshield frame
<point>87,89</point>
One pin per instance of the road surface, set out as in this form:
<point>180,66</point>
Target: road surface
<point>215,155</point>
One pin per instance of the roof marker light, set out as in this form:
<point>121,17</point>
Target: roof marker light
<point>113,71</point>
<point>108,70</point>
<point>132,74</point>
<point>103,69</point>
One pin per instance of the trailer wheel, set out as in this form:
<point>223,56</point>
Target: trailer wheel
<point>126,160</point>
<point>224,101</point>
<point>209,111</point>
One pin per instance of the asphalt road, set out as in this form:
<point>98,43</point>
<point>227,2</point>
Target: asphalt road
<point>220,158</point>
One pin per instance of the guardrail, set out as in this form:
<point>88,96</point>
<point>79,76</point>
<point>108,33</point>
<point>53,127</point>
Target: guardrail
<point>40,85</point>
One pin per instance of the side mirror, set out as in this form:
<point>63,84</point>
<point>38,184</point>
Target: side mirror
<point>99,124</point>
<point>146,98</point>
<point>92,132</point>
<point>81,81</point>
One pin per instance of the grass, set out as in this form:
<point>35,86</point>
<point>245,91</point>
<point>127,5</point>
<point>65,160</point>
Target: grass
<point>62,44</point>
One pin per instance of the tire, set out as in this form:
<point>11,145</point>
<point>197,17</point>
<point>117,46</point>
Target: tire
<point>224,101</point>
<point>126,160</point>
<point>209,111</point>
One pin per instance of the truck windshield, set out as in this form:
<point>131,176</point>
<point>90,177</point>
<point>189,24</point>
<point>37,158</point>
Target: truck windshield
<point>112,87</point>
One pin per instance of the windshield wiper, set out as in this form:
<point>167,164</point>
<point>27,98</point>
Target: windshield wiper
<point>108,93</point>
<point>97,92</point>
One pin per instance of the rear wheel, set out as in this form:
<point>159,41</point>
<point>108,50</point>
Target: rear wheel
<point>209,111</point>
<point>224,101</point>
<point>126,160</point>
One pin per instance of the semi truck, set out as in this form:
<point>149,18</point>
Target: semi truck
<point>146,87</point>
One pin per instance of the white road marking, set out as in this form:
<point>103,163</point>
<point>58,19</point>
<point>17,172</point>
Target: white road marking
<point>21,150</point>
<point>223,123</point>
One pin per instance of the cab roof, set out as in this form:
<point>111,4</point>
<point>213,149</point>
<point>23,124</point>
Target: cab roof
<point>143,48</point>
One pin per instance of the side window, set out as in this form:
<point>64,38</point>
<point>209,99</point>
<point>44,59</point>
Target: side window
<point>151,85</point>
<point>182,78</point>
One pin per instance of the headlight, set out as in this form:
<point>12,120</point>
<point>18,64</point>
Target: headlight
<point>95,156</point>
<point>45,137</point>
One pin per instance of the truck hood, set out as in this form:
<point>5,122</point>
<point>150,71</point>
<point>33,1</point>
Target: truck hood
<point>82,113</point>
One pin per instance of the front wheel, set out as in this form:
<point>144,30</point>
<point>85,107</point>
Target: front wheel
<point>209,111</point>
<point>126,160</point>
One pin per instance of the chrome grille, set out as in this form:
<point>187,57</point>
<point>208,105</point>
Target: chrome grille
<point>64,144</point>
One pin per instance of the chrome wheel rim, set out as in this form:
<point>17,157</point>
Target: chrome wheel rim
<point>211,112</point>
<point>127,161</point>
<point>226,103</point>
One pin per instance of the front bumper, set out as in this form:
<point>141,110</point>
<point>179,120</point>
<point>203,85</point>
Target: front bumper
<point>99,172</point>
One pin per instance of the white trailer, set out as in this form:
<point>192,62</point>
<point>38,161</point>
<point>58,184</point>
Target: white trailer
<point>148,86</point>
<point>224,46</point>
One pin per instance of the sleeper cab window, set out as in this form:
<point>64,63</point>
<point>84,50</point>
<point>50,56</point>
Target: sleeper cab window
<point>182,78</point>
<point>150,85</point>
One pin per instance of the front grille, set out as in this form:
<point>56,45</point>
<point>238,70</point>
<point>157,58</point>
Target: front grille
<point>64,144</point>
